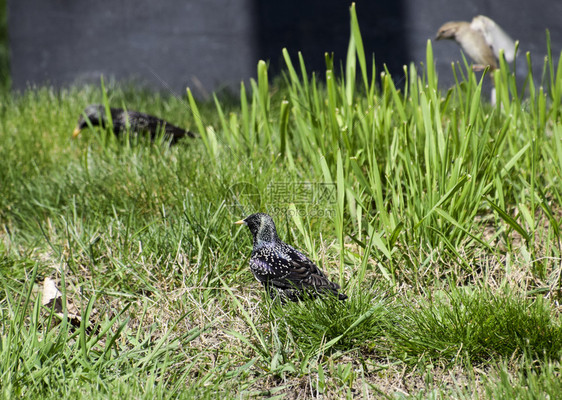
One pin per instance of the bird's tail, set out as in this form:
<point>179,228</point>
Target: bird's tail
<point>178,133</point>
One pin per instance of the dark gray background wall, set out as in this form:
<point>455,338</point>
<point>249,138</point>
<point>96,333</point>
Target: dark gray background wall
<point>204,44</point>
<point>210,44</point>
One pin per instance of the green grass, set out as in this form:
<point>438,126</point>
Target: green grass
<point>437,213</point>
<point>479,325</point>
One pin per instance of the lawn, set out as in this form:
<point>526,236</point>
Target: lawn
<point>438,214</point>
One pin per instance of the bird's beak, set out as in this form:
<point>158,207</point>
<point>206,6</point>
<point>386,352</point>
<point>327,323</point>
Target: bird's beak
<point>76,132</point>
<point>240,222</point>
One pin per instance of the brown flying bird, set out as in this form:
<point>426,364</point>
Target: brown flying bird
<point>482,39</point>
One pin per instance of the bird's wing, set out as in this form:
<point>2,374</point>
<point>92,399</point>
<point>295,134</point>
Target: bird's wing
<point>495,36</point>
<point>263,271</point>
<point>138,121</point>
<point>310,275</point>
<point>155,124</point>
<point>290,270</point>
<point>305,273</point>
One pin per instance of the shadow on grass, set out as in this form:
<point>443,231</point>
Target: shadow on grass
<point>326,324</point>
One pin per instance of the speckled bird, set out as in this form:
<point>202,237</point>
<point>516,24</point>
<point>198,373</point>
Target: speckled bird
<point>282,269</point>
<point>138,122</point>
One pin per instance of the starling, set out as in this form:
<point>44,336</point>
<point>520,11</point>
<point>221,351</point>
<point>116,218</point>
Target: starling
<point>482,39</point>
<point>282,269</point>
<point>138,122</point>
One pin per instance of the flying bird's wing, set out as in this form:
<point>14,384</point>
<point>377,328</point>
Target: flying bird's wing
<point>495,36</point>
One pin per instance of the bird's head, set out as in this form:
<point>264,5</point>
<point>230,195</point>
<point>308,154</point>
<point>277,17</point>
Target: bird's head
<point>262,228</point>
<point>95,113</point>
<point>448,30</point>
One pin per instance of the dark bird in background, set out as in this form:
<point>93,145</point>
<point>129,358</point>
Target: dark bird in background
<point>482,39</point>
<point>282,269</point>
<point>138,122</point>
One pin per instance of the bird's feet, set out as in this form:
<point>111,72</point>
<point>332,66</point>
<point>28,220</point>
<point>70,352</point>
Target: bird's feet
<point>478,67</point>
